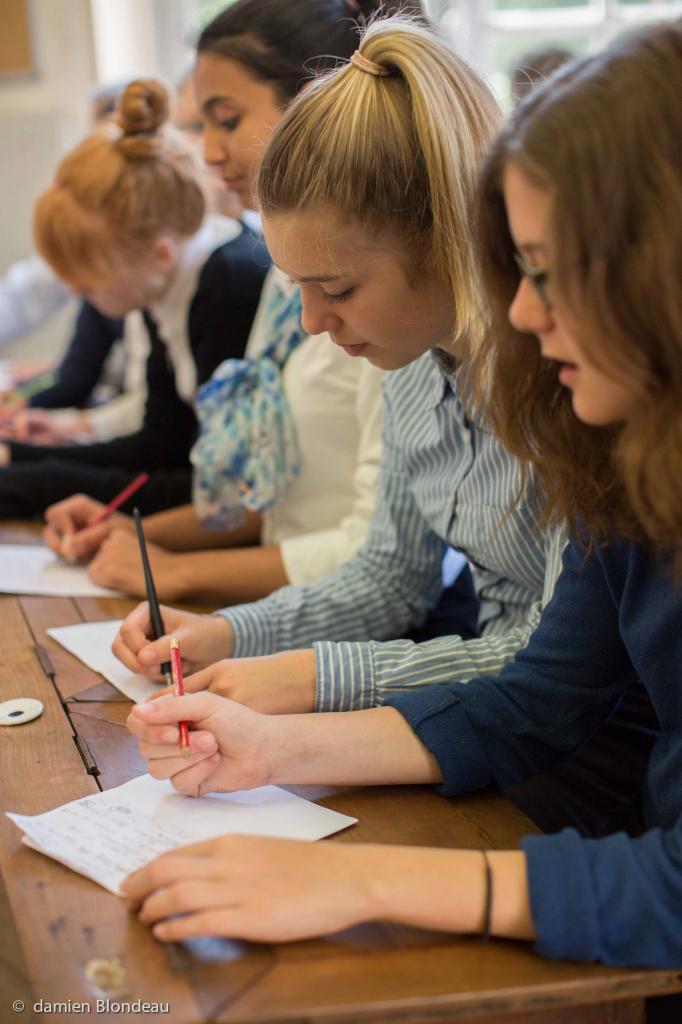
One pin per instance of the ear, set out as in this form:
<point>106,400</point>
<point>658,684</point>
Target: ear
<point>164,252</point>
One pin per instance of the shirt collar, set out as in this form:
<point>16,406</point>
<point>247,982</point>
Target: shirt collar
<point>444,378</point>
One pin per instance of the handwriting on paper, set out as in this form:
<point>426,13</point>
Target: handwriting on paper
<point>106,836</point>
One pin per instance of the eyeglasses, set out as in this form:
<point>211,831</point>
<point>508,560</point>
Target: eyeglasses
<point>537,276</point>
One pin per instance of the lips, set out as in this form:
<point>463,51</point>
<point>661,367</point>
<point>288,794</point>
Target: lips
<point>354,350</point>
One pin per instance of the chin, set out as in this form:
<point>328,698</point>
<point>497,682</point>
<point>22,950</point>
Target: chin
<point>387,361</point>
<point>593,417</point>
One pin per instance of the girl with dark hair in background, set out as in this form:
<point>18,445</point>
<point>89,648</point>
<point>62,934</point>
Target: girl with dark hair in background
<point>290,445</point>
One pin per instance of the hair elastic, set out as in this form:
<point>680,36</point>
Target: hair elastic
<point>369,66</point>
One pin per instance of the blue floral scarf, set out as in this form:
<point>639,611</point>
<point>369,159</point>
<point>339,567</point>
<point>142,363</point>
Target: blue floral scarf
<point>247,452</point>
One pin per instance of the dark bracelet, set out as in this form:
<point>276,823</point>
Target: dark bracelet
<point>488,902</point>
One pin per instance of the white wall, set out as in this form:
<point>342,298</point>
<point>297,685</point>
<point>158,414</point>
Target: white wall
<point>77,45</point>
<point>41,116</point>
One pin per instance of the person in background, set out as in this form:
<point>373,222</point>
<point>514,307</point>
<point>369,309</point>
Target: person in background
<point>592,352</point>
<point>125,224</point>
<point>534,67</point>
<point>65,412</point>
<point>30,291</point>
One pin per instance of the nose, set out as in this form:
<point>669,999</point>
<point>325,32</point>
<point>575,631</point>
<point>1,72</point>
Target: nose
<point>214,146</point>
<point>316,317</point>
<point>527,313</point>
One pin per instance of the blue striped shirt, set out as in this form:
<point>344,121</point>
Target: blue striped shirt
<point>445,480</point>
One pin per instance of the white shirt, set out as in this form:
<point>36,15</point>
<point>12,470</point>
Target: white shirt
<point>336,405</point>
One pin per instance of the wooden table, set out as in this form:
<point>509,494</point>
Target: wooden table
<point>67,940</point>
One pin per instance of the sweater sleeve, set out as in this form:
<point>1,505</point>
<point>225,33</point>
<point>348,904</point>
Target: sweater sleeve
<point>546,702</point>
<point>616,899</point>
<point>81,366</point>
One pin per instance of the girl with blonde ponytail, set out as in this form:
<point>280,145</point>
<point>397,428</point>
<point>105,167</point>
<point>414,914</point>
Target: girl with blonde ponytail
<point>365,191</point>
<point>125,225</point>
<point>392,142</point>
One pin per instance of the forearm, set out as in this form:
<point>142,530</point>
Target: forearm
<point>226,577</point>
<point>305,749</point>
<point>179,529</point>
<point>445,890</point>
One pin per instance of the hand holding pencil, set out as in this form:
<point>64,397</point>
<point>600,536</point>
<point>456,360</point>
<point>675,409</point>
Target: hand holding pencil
<point>76,526</point>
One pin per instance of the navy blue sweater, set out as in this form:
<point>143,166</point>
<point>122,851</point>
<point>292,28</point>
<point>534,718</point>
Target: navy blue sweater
<point>614,618</point>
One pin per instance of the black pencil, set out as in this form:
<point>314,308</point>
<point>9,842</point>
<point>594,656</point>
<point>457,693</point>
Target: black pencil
<point>154,610</point>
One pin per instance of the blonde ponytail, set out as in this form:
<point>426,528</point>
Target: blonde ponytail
<point>398,150</point>
<point>121,188</point>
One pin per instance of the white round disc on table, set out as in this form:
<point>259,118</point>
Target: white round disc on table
<point>20,710</point>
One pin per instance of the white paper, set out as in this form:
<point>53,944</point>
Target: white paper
<point>31,569</point>
<point>106,836</point>
<point>91,642</point>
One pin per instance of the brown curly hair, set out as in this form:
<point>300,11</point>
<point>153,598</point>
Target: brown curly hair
<point>603,138</point>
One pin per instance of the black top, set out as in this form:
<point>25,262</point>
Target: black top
<point>219,322</point>
<point>81,366</point>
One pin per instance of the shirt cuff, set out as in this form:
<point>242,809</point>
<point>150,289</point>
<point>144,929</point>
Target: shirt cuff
<point>437,716</point>
<point>345,676</point>
<point>252,632</point>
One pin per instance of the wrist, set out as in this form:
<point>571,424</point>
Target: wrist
<point>223,638</point>
<point>298,675</point>
<point>437,889</point>
<point>275,750</point>
<point>180,582</point>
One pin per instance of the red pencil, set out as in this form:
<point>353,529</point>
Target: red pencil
<point>116,502</point>
<point>179,690</point>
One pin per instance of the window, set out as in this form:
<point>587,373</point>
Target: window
<point>494,34</point>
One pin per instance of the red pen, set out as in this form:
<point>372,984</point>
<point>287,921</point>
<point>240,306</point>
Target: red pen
<point>176,668</point>
<point>116,502</point>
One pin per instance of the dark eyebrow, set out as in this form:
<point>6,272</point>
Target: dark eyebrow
<point>213,101</point>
